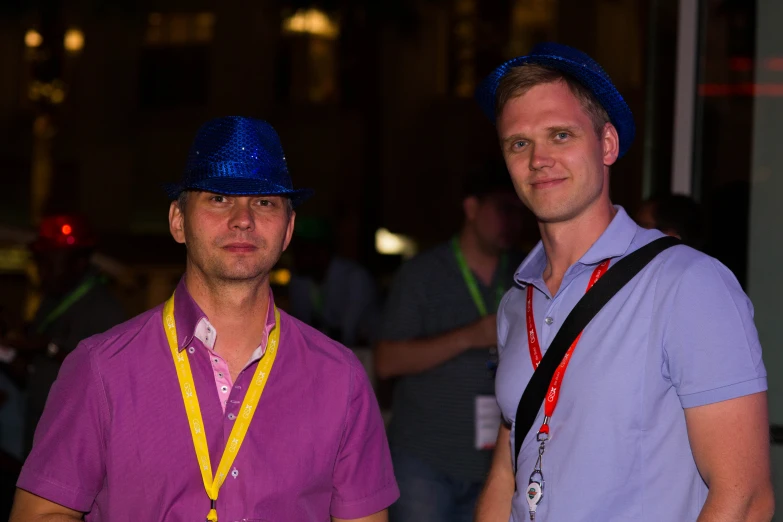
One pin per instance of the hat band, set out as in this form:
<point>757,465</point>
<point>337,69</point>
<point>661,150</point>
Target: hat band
<point>236,170</point>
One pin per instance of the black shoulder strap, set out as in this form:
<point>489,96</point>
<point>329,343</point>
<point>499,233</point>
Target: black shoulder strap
<point>591,303</point>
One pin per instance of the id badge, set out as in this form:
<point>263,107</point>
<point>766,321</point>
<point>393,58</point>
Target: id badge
<point>487,422</point>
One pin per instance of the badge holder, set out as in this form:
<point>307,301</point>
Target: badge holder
<point>535,487</point>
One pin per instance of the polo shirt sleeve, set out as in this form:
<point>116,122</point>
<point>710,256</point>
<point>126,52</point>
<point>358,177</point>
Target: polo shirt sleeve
<point>405,306</point>
<point>66,465</point>
<point>711,348</point>
<point>364,481</point>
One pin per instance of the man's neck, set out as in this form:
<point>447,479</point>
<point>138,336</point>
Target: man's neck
<point>565,243</point>
<point>238,312</point>
<point>480,260</point>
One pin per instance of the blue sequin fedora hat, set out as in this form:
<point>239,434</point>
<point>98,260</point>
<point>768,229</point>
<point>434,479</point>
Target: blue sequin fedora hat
<point>237,156</point>
<point>576,64</point>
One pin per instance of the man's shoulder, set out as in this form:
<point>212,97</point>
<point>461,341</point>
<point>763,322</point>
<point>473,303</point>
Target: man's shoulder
<point>134,332</point>
<point>683,266</point>
<point>316,344</point>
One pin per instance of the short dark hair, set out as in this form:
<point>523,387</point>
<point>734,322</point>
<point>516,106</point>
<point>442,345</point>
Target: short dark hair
<point>682,215</point>
<point>182,200</point>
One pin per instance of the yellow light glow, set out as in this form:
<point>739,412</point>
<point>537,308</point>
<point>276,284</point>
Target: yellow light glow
<point>14,259</point>
<point>33,38</point>
<point>74,40</point>
<point>35,91</point>
<point>280,277</point>
<point>394,244</point>
<point>57,96</point>
<point>311,21</point>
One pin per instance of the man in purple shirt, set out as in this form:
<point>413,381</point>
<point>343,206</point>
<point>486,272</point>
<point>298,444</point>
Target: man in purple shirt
<point>156,419</point>
<point>662,412</point>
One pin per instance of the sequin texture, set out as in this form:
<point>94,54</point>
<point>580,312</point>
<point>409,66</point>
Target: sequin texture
<point>237,156</point>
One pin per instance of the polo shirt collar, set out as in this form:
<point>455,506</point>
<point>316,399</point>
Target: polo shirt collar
<point>193,322</point>
<point>613,242</point>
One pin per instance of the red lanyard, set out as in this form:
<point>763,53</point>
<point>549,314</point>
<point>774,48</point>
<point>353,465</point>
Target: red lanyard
<point>535,349</point>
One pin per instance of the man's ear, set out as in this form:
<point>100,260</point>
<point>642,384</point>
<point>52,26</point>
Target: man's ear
<point>470,206</point>
<point>177,222</point>
<point>611,143</point>
<point>290,231</point>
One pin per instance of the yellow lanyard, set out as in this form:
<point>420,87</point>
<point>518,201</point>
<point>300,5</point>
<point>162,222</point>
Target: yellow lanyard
<point>189,396</point>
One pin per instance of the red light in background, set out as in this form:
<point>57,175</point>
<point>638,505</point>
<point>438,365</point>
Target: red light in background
<point>772,90</point>
<point>740,64</point>
<point>747,64</point>
<point>66,229</point>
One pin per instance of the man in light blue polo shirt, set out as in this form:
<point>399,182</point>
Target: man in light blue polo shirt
<point>662,411</point>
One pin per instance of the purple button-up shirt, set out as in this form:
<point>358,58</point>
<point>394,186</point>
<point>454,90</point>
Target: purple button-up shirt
<point>114,438</point>
<point>679,335</point>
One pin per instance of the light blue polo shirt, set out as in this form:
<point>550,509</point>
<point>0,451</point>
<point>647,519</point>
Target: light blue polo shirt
<point>679,335</point>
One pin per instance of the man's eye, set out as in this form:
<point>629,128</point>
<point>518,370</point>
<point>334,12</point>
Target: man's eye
<point>217,199</point>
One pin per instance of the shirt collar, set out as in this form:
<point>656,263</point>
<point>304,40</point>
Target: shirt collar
<point>613,242</point>
<point>193,322</point>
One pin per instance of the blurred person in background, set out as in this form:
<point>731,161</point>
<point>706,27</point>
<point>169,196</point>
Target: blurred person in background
<point>675,215</point>
<point>11,425</point>
<point>437,339</point>
<point>333,294</point>
<point>75,304</point>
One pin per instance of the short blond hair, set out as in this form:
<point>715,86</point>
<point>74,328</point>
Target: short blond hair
<point>522,78</point>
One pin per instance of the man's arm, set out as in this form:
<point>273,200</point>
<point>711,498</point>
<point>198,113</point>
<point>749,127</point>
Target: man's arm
<point>494,504</point>
<point>730,443</point>
<point>32,508</point>
<point>380,516</point>
<point>395,358</point>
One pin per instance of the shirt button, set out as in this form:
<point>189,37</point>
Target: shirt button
<point>231,416</point>
<point>191,350</point>
<point>216,360</point>
<point>224,389</point>
<point>235,473</point>
<point>220,374</point>
<point>549,320</point>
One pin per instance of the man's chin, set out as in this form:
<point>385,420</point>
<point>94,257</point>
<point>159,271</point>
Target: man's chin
<point>241,275</point>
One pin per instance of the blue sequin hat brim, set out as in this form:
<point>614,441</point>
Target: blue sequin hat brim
<point>237,156</point>
<point>576,64</point>
<point>239,187</point>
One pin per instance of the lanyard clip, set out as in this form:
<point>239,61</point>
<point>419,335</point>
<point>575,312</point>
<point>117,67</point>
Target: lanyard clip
<point>212,516</point>
<point>543,432</point>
